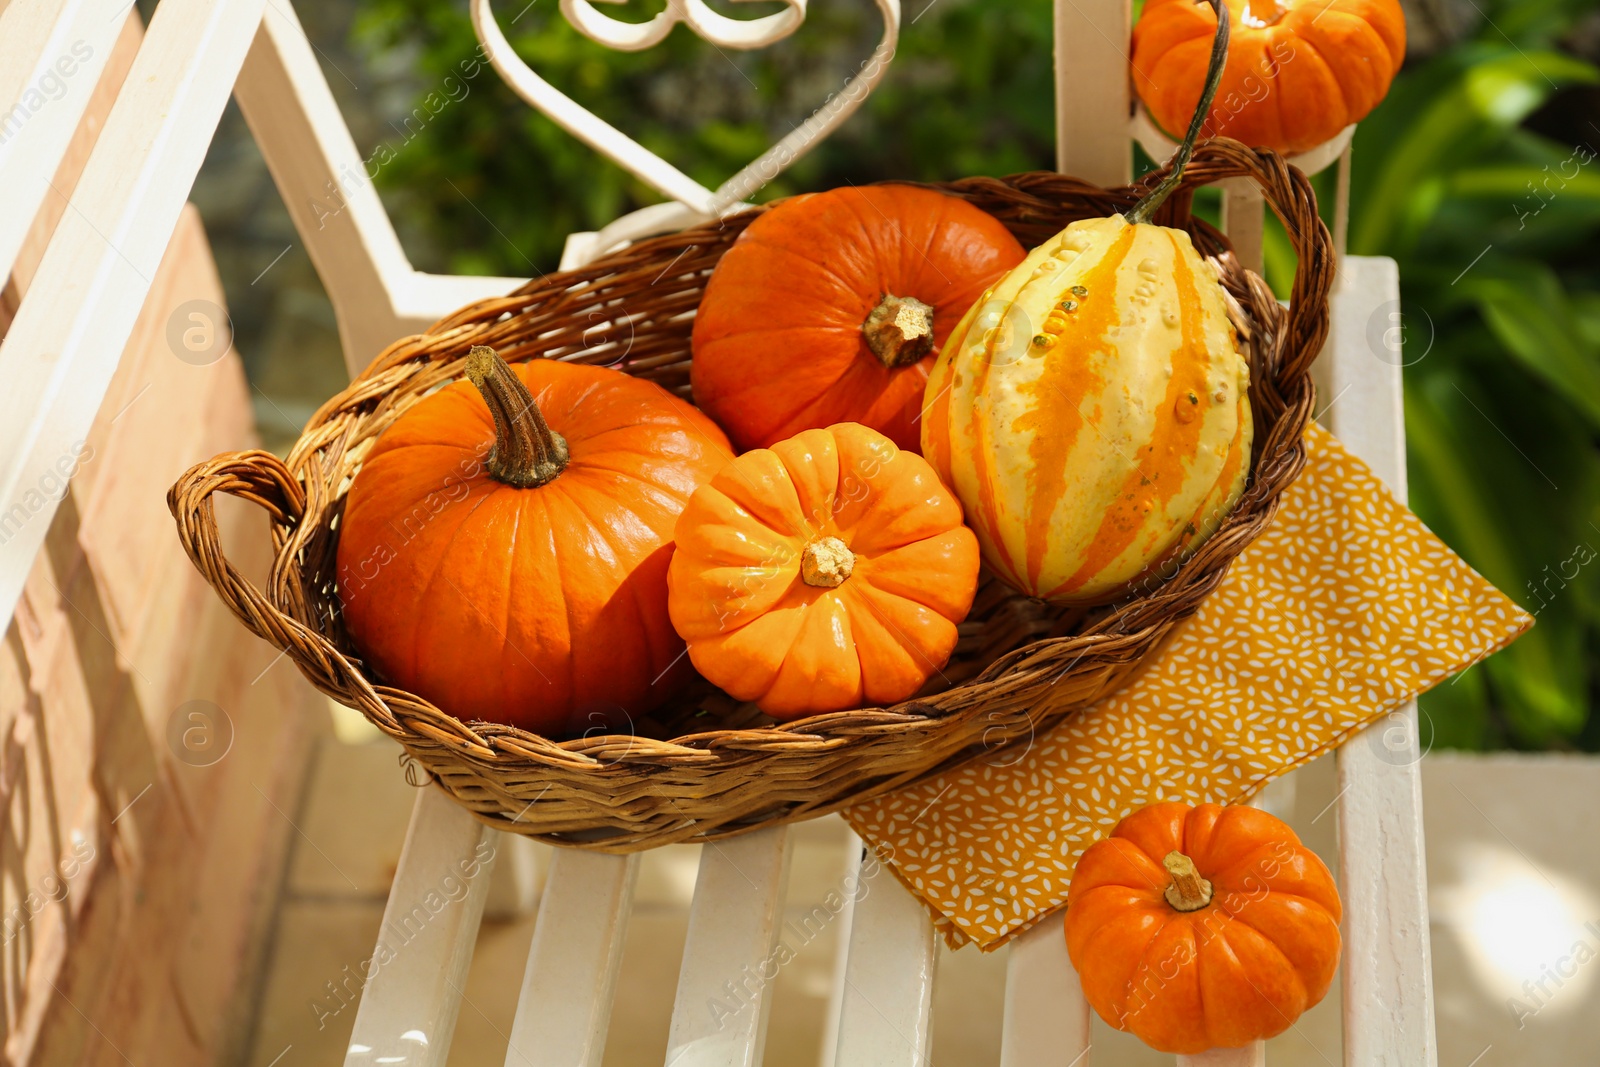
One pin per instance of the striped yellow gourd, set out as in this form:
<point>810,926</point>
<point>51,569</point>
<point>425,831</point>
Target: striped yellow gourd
<point>1091,412</point>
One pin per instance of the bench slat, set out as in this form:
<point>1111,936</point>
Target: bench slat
<point>1092,90</point>
<point>1388,973</point>
<point>1046,1021</point>
<point>1252,1055</point>
<point>720,1016</point>
<point>430,925</point>
<point>886,1007</point>
<point>571,978</point>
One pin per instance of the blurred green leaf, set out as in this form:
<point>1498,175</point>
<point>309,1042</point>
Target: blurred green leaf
<point>1527,310</point>
<point>1461,107</point>
<point>1470,473</point>
<point>1530,188</point>
<point>1586,309</point>
<point>1534,21</point>
<point>1455,713</point>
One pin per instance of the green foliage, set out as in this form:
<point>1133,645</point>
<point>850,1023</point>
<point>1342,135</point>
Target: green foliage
<point>495,187</point>
<point>1494,225</point>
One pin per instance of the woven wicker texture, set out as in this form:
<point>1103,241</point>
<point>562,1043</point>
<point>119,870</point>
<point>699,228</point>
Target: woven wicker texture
<point>1020,666</point>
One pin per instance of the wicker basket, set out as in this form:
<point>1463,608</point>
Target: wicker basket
<point>1020,666</point>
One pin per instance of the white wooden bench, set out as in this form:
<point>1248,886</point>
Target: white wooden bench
<point>94,279</point>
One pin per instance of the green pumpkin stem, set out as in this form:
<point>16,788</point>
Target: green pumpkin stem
<point>1146,207</point>
<point>527,452</point>
<point>1188,891</point>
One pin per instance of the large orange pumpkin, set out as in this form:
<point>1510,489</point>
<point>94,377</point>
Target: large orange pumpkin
<point>1298,72</point>
<point>825,573</point>
<point>527,584</point>
<point>1200,928</point>
<point>830,307</point>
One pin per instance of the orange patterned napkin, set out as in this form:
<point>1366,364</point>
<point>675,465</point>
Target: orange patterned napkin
<point>1343,609</point>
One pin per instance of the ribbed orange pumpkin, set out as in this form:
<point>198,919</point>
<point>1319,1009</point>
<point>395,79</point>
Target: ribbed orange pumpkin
<point>1299,71</point>
<point>827,572</point>
<point>829,308</point>
<point>1201,928</point>
<point>1090,411</point>
<point>527,585</point>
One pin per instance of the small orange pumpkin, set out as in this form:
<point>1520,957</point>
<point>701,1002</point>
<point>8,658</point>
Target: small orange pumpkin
<point>827,572</point>
<point>528,584</point>
<point>1298,72</point>
<point>1200,928</point>
<point>830,307</point>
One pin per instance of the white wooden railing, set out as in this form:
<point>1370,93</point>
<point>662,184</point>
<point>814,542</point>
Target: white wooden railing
<point>77,316</point>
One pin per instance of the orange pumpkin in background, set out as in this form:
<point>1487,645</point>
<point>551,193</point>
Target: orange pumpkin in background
<point>1298,72</point>
<point>825,573</point>
<point>829,308</point>
<point>1201,928</point>
<point>528,584</point>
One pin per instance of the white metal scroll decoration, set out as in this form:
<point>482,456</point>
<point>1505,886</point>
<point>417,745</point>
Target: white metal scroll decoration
<point>718,29</point>
<point>691,201</point>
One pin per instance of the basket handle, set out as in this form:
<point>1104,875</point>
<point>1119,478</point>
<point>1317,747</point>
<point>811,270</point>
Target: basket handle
<point>1289,193</point>
<point>262,479</point>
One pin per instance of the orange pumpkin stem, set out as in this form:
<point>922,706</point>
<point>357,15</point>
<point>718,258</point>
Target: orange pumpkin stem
<point>1188,891</point>
<point>527,452</point>
<point>1146,207</point>
<point>826,563</point>
<point>899,330</point>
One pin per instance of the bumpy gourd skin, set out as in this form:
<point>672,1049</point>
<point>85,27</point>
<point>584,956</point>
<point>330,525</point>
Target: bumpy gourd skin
<point>1091,411</point>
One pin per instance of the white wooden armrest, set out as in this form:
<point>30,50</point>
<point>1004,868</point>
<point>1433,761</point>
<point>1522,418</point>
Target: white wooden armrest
<point>45,43</point>
<point>69,333</point>
<point>571,978</point>
<point>886,1006</point>
<point>719,1018</point>
<point>430,924</point>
